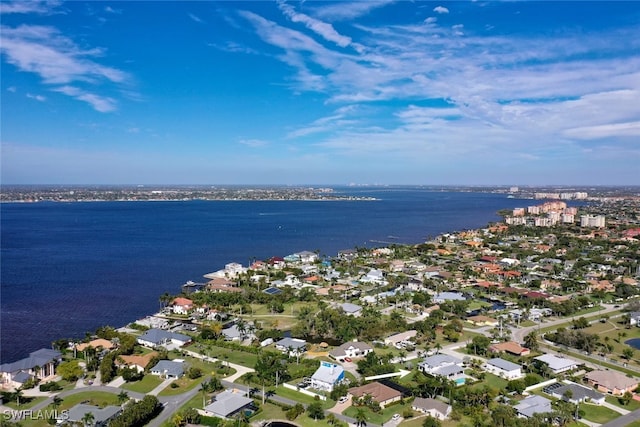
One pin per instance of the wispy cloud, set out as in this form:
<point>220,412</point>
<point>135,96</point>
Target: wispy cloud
<point>195,18</point>
<point>348,10</point>
<point>36,97</point>
<point>57,60</point>
<point>440,9</point>
<point>39,7</point>
<point>99,103</point>
<point>253,143</point>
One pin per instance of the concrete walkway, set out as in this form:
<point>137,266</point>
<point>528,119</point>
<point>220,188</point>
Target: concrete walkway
<point>161,387</point>
<point>240,371</point>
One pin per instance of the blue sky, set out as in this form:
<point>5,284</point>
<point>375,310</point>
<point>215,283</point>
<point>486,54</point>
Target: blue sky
<point>375,92</point>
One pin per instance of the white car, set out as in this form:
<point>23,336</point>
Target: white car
<point>395,417</point>
<point>343,399</point>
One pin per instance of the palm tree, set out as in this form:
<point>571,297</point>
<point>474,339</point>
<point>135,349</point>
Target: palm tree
<point>361,418</point>
<point>206,387</point>
<point>123,396</point>
<point>87,419</point>
<point>18,394</point>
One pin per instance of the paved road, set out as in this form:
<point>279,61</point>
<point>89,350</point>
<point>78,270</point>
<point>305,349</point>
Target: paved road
<point>624,420</point>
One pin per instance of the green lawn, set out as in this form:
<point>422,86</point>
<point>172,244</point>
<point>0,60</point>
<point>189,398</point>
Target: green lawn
<point>598,414</point>
<point>184,384</point>
<point>492,381</point>
<point>97,398</point>
<point>26,402</point>
<point>302,398</point>
<point>381,417</point>
<point>145,385</point>
<point>632,406</point>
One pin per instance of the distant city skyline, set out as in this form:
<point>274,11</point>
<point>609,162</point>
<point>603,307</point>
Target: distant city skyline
<point>333,93</point>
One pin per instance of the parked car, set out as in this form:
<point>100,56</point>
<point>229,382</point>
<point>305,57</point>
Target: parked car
<point>347,359</point>
<point>343,399</point>
<point>395,417</point>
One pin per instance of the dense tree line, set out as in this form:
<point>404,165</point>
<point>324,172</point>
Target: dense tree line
<point>138,413</point>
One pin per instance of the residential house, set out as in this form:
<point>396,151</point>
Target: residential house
<point>402,337</point>
<point>557,364</point>
<point>443,365</point>
<point>168,369</point>
<point>292,346</point>
<point>532,405</point>
<point>380,393</point>
<point>327,376</point>
<point>482,321</point>
<point>448,296</point>
<point>158,337</point>
<point>503,368</point>
<point>138,362</point>
<point>510,347</point>
<point>634,318</point>
<point>307,257</point>
<point>350,349</point>
<point>574,393</point>
<point>228,403</point>
<point>101,416</point>
<point>182,306</point>
<point>611,382</point>
<point>435,408</point>
<point>40,364</point>
<point>97,343</point>
<point>351,309</point>
<point>374,276</point>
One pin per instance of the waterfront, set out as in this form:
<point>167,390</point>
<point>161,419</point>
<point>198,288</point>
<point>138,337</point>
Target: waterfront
<point>68,268</point>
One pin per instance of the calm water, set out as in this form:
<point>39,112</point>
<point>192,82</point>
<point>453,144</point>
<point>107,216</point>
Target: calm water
<point>68,268</point>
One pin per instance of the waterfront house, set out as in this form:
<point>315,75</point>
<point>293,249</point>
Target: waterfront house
<point>611,382</point>
<point>432,407</point>
<point>327,376</point>
<point>182,306</point>
<point>96,344</point>
<point>482,321</point>
<point>161,338</point>
<point>503,368</point>
<point>138,362</point>
<point>448,296</point>
<point>380,393</point>
<point>532,405</point>
<point>228,403</point>
<point>101,416</point>
<point>40,364</point>
<point>350,349</point>
<point>168,369</point>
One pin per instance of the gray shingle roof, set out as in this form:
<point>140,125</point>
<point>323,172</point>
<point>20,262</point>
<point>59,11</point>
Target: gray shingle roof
<point>227,403</point>
<point>503,364</point>
<point>37,358</point>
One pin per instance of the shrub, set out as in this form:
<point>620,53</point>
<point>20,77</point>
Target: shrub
<point>50,386</point>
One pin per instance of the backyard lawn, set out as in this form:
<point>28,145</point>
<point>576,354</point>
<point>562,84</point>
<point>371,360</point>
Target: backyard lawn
<point>381,417</point>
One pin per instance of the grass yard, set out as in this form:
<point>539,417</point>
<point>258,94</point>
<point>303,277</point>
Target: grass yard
<point>632,406</point>
<point>184,384</point>
<point>598,414</point>
<point>96,398</point>
<point>234,356</point>
<point>302,398</point>
<point>26,402</point>
<point>381,417</point>
<point>145,385</point>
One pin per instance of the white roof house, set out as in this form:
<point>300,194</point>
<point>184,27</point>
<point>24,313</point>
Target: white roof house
<point>327,376</point>
<point>435,408</point>
<point>402,336</point>
<point>442,365</point>
<point>533,405</point>
<point>351,309</point>
<point>448,296</point>
<point>503,368</point>
<point>557,364</point>
<point>227,403</point>
<point>294,346</point>
<point>351,349</point>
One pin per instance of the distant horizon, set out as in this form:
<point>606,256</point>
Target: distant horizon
<point>321,185</point>
<point>323,91</point>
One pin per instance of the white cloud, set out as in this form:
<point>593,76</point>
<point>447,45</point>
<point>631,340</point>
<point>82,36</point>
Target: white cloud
<point>440,9</point>
<point>58,60</point>
<point>40,7</point>
<point>348,10</point>
<point>37,97</point>
<point>99,103</point>
<point>628,129</point>
<point>109,9</point>
<point>253,143</point>
<point>195,18</point>
<point>431,20</point>
<point>323,29</point>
